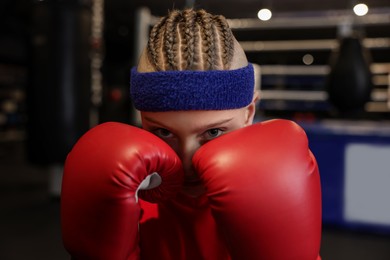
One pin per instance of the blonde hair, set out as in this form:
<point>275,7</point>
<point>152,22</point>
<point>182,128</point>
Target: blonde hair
<point>191,40</point>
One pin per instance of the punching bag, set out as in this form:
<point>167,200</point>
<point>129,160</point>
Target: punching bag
<point>349,82</point>
<point>58,97</point>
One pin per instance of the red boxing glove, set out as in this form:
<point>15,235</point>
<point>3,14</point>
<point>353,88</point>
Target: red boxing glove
<point>264,191</point>
<point>102,176</point>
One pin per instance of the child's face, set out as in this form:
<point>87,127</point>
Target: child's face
<point>186,131</point>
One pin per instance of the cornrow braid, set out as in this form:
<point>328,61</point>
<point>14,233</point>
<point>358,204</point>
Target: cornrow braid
<point>208,39</point>
<point>170,39</point>
<point>227,42</point>
<point>189,29</point>
<point>154,43</point>
<point>191,40</point>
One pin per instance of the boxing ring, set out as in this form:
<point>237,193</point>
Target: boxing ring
<point>354,163</point>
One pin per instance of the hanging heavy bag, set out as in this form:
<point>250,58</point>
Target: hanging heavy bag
<point>349,82</point>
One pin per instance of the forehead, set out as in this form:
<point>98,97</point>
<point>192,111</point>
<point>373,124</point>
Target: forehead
<point>192,120</point>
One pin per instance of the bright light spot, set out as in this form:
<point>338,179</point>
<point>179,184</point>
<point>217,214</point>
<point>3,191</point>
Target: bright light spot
<point>308,59</point>
<point>360,9</point>
<point>264,14</point>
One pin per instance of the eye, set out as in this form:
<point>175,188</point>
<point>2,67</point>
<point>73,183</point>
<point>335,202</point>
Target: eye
<point>213,133</point>
<point>162,133</point>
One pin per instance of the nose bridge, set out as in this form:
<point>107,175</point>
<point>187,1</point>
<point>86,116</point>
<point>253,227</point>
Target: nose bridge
<point>188,147</point>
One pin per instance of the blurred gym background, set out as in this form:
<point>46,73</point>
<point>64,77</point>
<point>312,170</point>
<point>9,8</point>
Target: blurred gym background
<point>64,67</point>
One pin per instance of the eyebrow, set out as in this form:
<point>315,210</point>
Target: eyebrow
<point>153,121</point>
<point>209,126</point>
<point>215,124</point>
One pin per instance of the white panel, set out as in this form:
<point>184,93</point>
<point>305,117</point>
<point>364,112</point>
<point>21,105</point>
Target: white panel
<point>367,184</point>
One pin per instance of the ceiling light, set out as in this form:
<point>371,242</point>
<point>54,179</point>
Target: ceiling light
<point>360,9</point>
<point>264,14</point>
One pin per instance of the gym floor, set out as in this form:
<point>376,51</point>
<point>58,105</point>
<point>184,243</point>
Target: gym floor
<point>30,218</point>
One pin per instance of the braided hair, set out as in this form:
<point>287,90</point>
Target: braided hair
<point>191,40</point>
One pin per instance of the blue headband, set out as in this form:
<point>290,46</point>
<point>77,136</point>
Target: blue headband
<point>192,90</point>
